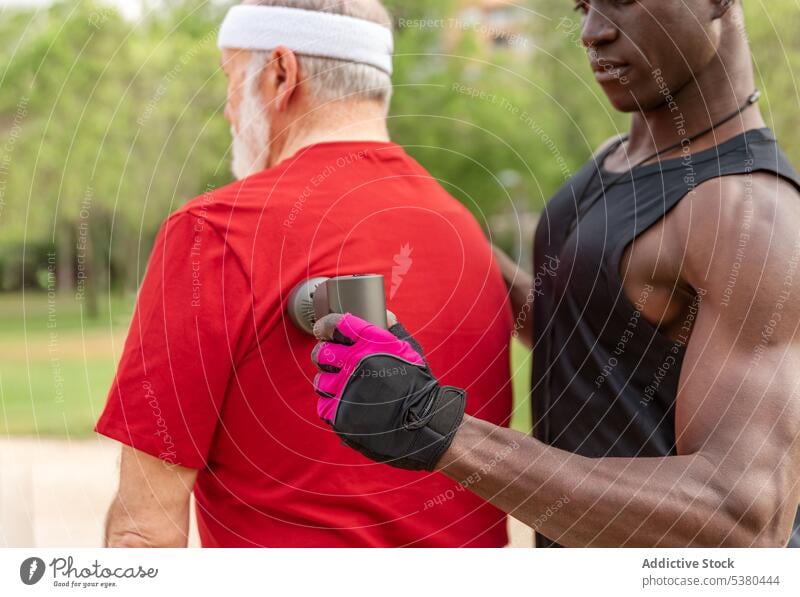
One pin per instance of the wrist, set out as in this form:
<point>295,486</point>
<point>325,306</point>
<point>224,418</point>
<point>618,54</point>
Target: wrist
<point>458,446</point>
<point>445,422</point>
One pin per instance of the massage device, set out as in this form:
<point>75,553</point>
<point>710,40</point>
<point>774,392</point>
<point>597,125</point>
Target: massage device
<point>359,294</point>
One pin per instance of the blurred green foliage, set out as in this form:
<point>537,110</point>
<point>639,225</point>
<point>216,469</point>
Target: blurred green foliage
<point>107,125</point>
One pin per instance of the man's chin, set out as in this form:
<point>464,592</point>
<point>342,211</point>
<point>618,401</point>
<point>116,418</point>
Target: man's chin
<point>622,100</point>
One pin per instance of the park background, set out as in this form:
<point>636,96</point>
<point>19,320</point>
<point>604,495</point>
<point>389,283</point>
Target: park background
<point>111,116</point>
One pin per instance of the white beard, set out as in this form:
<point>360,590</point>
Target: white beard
<point>251,144</point>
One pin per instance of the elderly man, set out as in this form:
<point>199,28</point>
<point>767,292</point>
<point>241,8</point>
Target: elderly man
<point>210,392</point>
<point>665,317</point>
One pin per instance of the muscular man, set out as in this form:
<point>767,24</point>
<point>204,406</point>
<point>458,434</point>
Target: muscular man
<point>666,306</point>
<point>210,392</point>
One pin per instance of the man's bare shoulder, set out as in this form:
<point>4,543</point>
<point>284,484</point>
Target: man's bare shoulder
<point>739,221</point>
<point>726,203</point>
<point>607,144</point>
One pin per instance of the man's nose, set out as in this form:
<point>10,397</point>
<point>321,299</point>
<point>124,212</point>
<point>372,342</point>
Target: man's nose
<point>598,29</point>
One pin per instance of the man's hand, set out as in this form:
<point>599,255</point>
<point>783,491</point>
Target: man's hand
<point>151,508</point>
<point>379,395</point>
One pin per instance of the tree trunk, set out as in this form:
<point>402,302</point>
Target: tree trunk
<point>87,282</point>
<point>131,276</point>
<point>65,253</point>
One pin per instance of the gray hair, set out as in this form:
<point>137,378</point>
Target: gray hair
<point>328,78</point>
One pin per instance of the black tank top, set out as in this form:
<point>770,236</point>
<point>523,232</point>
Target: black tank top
<point>605,380</point>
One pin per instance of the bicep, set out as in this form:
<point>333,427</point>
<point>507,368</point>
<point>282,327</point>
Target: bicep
<point>738,394</point>
<point>737,409</point>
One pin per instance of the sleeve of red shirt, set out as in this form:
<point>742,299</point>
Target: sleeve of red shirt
<point>178,358</point>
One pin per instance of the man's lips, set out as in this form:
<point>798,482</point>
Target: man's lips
<point>609,70</point>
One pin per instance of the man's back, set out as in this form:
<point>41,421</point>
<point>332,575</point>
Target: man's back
<point>272,474</point>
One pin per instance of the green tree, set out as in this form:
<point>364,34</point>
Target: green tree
<point>122,124</point>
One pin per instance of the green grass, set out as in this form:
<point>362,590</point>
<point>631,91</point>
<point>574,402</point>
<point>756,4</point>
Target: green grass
<point>522,418</point>
<point>34,403</point>
<point>56,365</point>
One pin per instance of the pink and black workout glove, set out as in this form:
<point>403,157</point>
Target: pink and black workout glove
<point>379,395</point>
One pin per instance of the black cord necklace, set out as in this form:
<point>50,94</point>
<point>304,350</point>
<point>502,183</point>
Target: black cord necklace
<point>584,207</point>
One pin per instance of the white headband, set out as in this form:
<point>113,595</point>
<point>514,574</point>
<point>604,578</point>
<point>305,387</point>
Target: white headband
<point>322,34</point>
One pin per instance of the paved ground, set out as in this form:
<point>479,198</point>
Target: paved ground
<point>54,493</point>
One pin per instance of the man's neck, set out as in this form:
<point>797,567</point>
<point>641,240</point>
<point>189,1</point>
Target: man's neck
<point>353,121</point>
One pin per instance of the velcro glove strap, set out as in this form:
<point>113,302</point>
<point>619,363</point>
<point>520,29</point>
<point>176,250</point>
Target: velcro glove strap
<point>381,398</point>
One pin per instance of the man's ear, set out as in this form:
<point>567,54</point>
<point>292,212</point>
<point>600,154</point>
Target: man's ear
<point>720,8</point>
<point>283,64</point>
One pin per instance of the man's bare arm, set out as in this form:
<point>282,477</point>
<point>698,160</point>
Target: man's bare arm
<point>520,292</point>
<point>151,508</point>
<point>734,481</point>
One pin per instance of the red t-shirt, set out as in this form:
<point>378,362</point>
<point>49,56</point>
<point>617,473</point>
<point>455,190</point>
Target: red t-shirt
<point>214,375</point>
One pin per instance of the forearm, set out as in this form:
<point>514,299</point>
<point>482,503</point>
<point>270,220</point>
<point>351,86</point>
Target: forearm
<point>151,508</point>
<point>521,294</point>
<point>145,527</point>
<point>577,501</point>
